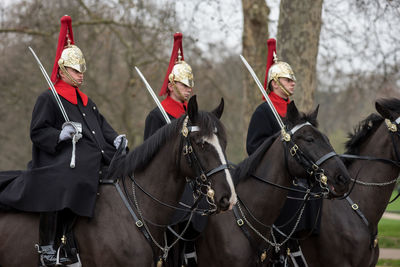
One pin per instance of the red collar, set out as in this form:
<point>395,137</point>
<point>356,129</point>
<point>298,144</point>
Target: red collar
<point>174,108</point>
<point>280,104</point>
<point>68,92</point>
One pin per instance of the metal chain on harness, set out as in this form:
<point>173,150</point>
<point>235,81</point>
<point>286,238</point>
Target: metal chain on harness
<point>375,184</point>
<point>274,242</point>
<point>166,248</point>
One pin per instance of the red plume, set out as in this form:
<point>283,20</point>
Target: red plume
<point>65,34</point>
<point>172,61</point>
<point>270,58</point>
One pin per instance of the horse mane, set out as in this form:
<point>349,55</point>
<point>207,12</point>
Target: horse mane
<point>139,158</point>
<point>392,104</point>
<point>361,132</point>
<point>248,165</point>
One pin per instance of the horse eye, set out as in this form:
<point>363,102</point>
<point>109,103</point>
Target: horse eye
<point>309,139</point>
<point>200,143</point>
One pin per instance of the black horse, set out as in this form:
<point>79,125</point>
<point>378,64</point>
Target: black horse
<point>303,154</point>
<point>191,147</point>
<point>349,228</point>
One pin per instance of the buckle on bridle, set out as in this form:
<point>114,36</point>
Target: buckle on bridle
<point>187,150</point>
<point>315,167</point>
<point>139,223</point>
<point>293,150</point>
<point>391,126</point>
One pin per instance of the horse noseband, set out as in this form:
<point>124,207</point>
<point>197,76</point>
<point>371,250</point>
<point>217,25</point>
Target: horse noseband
<point>312,168</point>
<point>202,181</point>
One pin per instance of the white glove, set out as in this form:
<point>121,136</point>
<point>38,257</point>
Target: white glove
<point>118,140</point>
<point>67,132</point>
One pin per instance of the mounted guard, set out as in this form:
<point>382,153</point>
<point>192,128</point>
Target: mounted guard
<point>280,84</point>
<point>178,86</point>
<point>55,186</point>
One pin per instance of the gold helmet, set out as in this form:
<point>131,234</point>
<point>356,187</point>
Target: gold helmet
<point>72,57</point>
<point>280,70</point>
<point>67,54</point>
<point>276,69</point>
<point>182,72</point>
<point>178,70</point>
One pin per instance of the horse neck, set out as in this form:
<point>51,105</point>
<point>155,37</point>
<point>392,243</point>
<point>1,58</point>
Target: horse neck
<point>265,201</point>
<point>161,179</point>
<point>373,200</point>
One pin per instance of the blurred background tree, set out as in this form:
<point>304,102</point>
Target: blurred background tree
<point>345,55</point>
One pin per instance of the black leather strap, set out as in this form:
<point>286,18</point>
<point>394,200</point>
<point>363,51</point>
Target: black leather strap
<point>242,225</point>
<point>355,207</point>
<point>325,157</point>
<point>138,222</point>
<point>350,156</point>
<point>218,169</point>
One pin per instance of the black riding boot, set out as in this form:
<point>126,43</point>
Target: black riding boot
<point>68,246</point>
<point>49,241</point>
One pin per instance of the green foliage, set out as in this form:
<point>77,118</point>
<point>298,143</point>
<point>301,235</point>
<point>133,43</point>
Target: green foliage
<point>392,263</point>
<point>389,233</point>
<point>395,206</point>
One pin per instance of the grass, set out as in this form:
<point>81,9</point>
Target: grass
<point>389,230</point>
<point>392,263</point>
<point>395,206</point>
<point>389,233</point>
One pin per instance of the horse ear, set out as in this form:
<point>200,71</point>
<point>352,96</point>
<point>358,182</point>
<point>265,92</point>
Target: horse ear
<point>192,109</point>
<point>292,114</point>
<point>218,111</point>
<point>313,115</point>
<point>384,112</point>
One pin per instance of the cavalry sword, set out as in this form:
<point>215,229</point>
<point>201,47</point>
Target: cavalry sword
<point>253,74</point>
<point>154,96</point>
<point>53,90</point>
<point>77,126</point>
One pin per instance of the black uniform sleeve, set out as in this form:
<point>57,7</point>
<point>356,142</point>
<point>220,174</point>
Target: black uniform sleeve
<point>154,121</point>
<point>45,129</point>
<point>262,125</point>
<point>108,132</point>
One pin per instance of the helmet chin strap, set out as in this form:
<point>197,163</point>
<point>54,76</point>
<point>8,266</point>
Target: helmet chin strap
<point>64,70</point>
<point>178,92</point>
<point>282,87</point>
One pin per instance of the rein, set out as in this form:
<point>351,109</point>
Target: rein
<point>202,187</point>
<point>393,129</point>
<point>311,167</point>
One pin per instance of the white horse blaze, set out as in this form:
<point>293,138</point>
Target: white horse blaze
<point>213,140</point>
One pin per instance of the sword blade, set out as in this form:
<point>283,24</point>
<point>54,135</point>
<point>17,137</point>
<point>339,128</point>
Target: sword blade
<point>53,90</point>
<point>154,96</point>
<point>253,74</point>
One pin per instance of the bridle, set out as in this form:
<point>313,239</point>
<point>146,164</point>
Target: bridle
<point>201,187</point>
<point>202,182</point>
<point>312,168</point>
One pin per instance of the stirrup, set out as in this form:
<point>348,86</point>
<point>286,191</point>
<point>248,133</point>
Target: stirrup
<point>297,258</point>
<point>49,257</point>
<point>190,255</point>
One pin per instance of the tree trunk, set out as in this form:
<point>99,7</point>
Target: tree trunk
<point>255,36</point>
<point>299,28</point>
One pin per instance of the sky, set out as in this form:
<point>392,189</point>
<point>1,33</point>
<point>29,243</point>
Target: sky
<point>342,37</point>
<point>214,23</point>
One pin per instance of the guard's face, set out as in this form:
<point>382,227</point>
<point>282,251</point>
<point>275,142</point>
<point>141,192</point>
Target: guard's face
<point>289,85</point>
<point>76,75</point>
<point>180,92</point>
